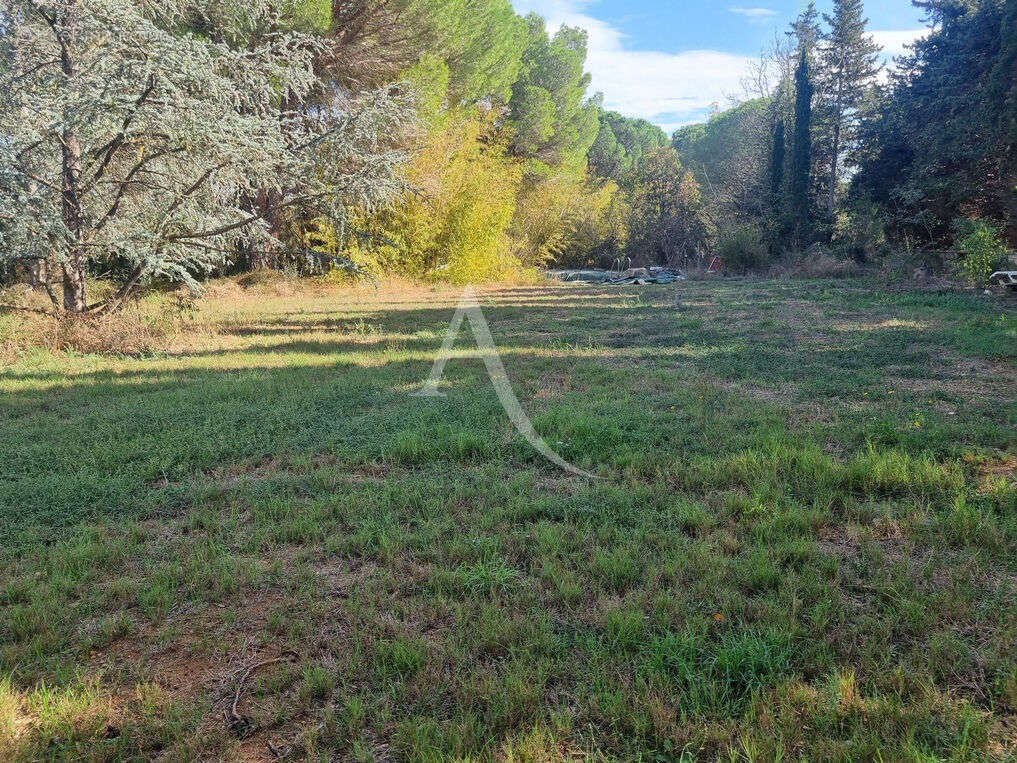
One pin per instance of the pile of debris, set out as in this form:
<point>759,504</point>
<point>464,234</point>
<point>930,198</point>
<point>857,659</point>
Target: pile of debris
<point>1006,278</point>
<point>638,276</point>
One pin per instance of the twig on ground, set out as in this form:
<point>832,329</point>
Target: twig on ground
<point>238,724</point>
<point>279,752</point>
<point>20,309</point>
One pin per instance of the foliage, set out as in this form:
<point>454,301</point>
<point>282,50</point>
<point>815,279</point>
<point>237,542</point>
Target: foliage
<point>454,226</point>
<point>742,248</point>
<point>548,126</point>
<point>483,41</point>
<point>940,145</point>
<point>983,248</point>
<point>621,144</point>
<point>801,153</point>
<point>860,230</point>
<point>669,224</point>
<point>600,228</point>
<point>847,71</point>
<point>728,155</point>
<point>545,217</point>
<point>1003,81</point>
<point>805,32</point>
<point>371,42</point>
<point>778,162</point>
<point>145,166</point>
<point>551,119</point>
<point>285,138</point>
<point>570,221</point>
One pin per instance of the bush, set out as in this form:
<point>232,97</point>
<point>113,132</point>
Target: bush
<point>571,222</point>
<point>140,328</point>
<point>817,262</point>
<point>669,223</point>
<point>860,231</point>
<point>742,248</point>
<point>982,248</point>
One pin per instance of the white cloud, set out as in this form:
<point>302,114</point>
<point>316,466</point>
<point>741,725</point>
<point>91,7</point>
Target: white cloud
<point>756,14</point>
<point>668,89</point>
<point>894,41</point>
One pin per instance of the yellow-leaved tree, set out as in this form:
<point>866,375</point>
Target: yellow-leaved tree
<point>454,225</point>
<point>570,220</point>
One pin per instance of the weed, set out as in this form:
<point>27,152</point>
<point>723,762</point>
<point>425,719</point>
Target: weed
<point>399,657</point>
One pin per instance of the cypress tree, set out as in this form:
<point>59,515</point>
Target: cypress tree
<point>801,149</point>
<point>805,32</point>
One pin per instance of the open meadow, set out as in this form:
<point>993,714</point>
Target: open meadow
<point>253,543</point>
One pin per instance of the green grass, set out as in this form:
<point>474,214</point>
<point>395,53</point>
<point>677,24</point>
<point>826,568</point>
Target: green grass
<point>802,546</point>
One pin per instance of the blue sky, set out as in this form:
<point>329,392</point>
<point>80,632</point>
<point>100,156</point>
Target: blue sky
<point>668,60</point>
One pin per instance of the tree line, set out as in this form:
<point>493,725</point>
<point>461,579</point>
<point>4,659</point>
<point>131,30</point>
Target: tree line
<point>833,149</point>
<point>146,141</point>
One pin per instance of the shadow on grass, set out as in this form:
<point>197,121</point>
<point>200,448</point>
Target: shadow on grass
<point>624,388</point>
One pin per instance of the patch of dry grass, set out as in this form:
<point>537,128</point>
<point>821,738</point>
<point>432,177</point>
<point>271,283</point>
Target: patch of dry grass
<point>818,265</point>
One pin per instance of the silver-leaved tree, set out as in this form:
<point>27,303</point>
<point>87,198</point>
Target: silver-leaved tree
<point>132,144</point>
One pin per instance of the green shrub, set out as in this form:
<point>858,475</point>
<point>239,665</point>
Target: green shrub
<point>982,247</point>
<point>742,248</point>
<point>859,231</point>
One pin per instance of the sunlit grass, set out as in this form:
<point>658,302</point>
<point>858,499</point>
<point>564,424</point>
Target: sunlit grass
<point>802,544</point>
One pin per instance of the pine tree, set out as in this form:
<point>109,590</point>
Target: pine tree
<point>805,32</point>
<point>553,120</point>
<point>801,149</point>
<point>847,71</point>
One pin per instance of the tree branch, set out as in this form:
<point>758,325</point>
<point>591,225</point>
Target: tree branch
<point>118,140</point>
<point>4,307</point>
<point>126,182</point>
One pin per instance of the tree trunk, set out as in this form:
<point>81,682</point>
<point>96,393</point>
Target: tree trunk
<point>834,161</point>
<point>37,274</point>
<point>74,266</point>
<point>74,286</point>
<point>838,117</point>
<point>262,258</point>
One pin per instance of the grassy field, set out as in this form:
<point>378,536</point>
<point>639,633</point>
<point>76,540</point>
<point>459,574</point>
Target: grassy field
<point>802,545</point>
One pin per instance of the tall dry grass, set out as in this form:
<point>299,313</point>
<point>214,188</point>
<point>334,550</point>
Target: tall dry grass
<point>137,330</point>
